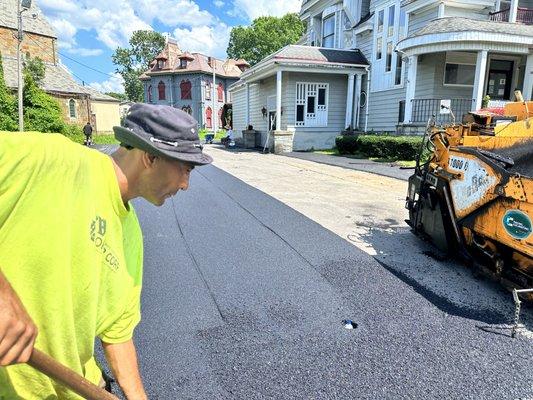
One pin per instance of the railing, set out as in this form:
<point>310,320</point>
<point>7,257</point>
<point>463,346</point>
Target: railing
<point>523,15</point>
<point>423,109</point>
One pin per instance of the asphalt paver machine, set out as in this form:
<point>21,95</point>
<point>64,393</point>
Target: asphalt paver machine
<point>472,192</point>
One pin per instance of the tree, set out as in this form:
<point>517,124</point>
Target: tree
<point>36,69</point>
<point>41,111</point>
<point>265,36</point>
<point>8,105</point>
<point>131,62</point>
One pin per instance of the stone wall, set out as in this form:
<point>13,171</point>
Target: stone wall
<point>82,107</point>
<point>32,46</point>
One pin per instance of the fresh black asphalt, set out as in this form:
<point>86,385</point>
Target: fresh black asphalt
<point>244,297</point>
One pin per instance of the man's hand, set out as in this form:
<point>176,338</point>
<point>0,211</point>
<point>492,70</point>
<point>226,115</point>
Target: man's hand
<point>17,330</point>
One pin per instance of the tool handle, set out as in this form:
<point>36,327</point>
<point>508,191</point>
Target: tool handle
<point>77,383</point>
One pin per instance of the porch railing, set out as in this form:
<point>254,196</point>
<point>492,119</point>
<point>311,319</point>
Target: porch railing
<point>423,109</point>
<point>523,16</point>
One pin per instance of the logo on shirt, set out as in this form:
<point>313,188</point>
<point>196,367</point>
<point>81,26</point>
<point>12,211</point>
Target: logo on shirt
<point>97,234</point>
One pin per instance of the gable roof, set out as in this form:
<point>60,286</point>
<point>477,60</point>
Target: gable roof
<point>38,25</point>
<point>56,79</point>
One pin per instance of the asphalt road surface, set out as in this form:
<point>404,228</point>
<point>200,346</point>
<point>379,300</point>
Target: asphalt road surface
<point>244,298</point>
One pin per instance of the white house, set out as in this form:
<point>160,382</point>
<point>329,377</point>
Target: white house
<point>419,53</point>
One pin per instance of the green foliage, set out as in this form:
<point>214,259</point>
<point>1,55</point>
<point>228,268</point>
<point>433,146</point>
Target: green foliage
<point>8,105</point>
<point>35,69</point>
<point>265,36</point>
<point>389,147</point>
<point>119,96</point>
<point>41,112</point>
<point>485,101</point>
<point>133,61</point>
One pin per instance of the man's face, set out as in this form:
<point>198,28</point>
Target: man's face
<point>164,178</point>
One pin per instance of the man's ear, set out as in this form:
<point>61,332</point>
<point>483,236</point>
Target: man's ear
<point>148,159</point>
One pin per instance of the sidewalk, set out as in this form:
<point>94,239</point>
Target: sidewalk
<point>385,169</point>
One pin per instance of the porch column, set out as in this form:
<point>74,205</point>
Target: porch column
<point>528,78</point>
<point>247,105</point>
<point>349,101</point>
<point>513,11</point>
<point>358,81</point>
<point>479,82</point>
<point>410,89</point>
<point>278,100</point>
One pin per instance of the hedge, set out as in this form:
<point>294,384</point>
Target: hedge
<point>390,147</point>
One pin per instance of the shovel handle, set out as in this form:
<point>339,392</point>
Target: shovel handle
<point>77,383</point>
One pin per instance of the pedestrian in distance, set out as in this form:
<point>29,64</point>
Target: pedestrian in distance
<point>71,255</point>
<point>88,132</point>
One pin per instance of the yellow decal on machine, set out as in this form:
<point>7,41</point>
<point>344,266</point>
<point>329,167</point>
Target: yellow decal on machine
<point>475,183</point>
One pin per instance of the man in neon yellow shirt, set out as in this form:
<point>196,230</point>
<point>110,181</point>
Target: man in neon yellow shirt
<point>71,245</point>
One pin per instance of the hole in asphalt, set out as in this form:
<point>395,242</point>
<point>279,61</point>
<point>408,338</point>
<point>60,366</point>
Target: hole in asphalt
<point>349,324</point>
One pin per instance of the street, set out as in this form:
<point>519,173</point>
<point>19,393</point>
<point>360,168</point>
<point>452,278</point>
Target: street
<point>245,294</point>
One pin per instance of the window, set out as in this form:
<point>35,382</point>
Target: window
<point>379,45</point>
<point>388,62</point>
<point>208,90</point>
<point>403,20</point>
<point>208,117</point>
<point>459,74</point>
<point>220,92</point>
<point>161,90</point>
<point>183,63</point>
<point>380,21</point>
<point>328,36</point>
<point>391,20</point>
<point>72,108</point>
<point>185,88</point>
<point>160,64</point>
<point>311,104</point>
<point>399,68</point>
<point>149,94</point>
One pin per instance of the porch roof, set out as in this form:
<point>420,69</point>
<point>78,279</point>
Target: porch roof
<point>306,58</point>
<point>456,33</point>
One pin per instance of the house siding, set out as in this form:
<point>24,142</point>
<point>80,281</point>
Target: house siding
<point>420,19</point>
<point>239,111</point>
<point>384,110</point>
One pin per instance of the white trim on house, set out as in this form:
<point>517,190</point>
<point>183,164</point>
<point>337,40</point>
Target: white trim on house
<point>318,119</point>
<point>461,41</point>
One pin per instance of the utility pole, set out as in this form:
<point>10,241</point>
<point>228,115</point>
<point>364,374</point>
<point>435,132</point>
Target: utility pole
<point>215,111</point>
<point>22,5</point>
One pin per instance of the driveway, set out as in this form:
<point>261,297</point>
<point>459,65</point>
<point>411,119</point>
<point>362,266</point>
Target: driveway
<point>245,293</point>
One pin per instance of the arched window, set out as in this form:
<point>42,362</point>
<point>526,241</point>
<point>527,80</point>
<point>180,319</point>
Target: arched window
<point>208,117</point>
<point>72,108</point>
<point>186,92</point>
<point>220,90</point>
<point>149,94</point>
<point>161,90</point>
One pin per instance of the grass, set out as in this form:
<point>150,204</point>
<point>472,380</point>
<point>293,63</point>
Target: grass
<point>335,152</point>
<point>219,135</point>
<point>97,139</point>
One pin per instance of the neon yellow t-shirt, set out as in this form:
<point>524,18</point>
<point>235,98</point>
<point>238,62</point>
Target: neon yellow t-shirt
<point>71,250</point>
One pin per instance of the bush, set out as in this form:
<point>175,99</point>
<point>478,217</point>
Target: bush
<point>389,147</point>
<point>41,111</point>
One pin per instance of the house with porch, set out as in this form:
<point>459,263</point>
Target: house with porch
<point>184,80</point>
<point>418,54</point>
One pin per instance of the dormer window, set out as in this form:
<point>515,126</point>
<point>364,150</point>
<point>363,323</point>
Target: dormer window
<point>160,64</point>
<point>183,63</point>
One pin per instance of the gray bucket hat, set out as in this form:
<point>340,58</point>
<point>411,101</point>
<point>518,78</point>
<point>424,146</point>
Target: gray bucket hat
<point>164,131</point>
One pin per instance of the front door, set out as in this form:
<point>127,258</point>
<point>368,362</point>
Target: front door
<point>500,79</point>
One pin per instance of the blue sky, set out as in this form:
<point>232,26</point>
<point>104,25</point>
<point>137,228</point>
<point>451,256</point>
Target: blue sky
<point>90,30</point>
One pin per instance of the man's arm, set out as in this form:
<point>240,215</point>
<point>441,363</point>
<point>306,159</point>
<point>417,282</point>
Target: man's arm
<point>122,359</point>
<point>17,330</point>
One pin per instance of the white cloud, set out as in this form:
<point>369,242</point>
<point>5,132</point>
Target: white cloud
<point>260,8</point>
<point>113,84</point>
<point>218,3</point>
<point>115,21</point>
<point>210,40</point>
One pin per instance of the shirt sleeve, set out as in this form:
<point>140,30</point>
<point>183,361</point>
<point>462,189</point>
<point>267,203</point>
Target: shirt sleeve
<point>122,330</point>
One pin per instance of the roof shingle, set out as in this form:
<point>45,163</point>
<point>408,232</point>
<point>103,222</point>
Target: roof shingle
<point>39,24</point>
